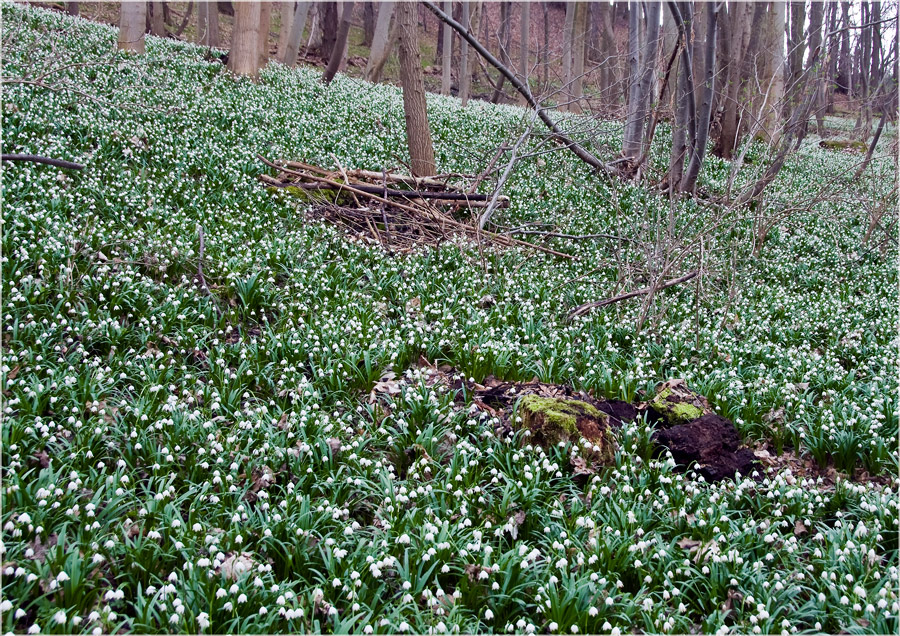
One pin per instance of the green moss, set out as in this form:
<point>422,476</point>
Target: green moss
<point>674,411</point>
<point>309,196</point>
<point>843,144</point>
<point>552,420</point>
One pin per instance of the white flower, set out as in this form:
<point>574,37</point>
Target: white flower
<point>488,615</point>
<point>59,617</point>
<point>34,629</point>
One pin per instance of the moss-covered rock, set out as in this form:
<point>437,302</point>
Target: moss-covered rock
<point>555,420</point>
<point>674,403</point>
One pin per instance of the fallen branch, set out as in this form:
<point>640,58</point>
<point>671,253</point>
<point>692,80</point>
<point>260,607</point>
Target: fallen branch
<point>580,310</point>
<point>58,163</point>
<point>523,90</point>
<point>572,237</point>
<point>418,212</point>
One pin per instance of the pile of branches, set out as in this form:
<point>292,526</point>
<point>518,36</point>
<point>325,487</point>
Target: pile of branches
<point>396,210</point>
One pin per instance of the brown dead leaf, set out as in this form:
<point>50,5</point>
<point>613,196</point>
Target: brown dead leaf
<point>43,459</point>
<point>13,373</point>
<point>413,305</point>
<point>234,566</point>
<point>799,528</point>
<point>334,444</point>
<point>581,466</point>
<point>40,549</point>
<point>775,416</point>
<point>485,407</point>
<point>689,544</point>
<point>282,422</point>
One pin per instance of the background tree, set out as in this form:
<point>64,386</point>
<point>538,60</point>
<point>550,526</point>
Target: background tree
<point>418,133</point>
<point>381,42</point>
<point>132,23</point>
<point>447,52</point>
<point>298,24</point>
<point>339,49</point>
<point>243,59</point>
<point>524,40</point>
<point>157,20</point>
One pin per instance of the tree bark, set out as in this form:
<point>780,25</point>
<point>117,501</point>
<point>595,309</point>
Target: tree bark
<point>843,76</point>
<point>381,42</point>
<point>464,76</point>
<point>447,53</point>
<point>72,8</point>
<point>339,49</point>
<point>503,42</point>
<point>770,113</point>
<point>265,21</point>
<point>287,10</point>
<point>609,54</point>
<point>545,62</point>
<point>243,59</point>
<point>568,46</point>
<point>524,39</point>
<point>132,22</point>
<point>698,151</point>
<point>643,49</point>
<point>578,54</point>
<point>368,23</point>
<point>735,40</point>
<point>418,133</point>
<point>298,23</point>
<point>329,23</point>
<point>157,23</point>
<point>796,49</point>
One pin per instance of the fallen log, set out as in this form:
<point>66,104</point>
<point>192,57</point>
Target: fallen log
<point>57,163</point>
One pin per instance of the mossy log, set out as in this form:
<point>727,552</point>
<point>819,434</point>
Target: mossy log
<point>555,420</point>
<point>843,144</point>
<point>674,403</point>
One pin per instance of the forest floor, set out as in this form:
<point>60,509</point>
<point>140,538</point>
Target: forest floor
<point>271,452</point>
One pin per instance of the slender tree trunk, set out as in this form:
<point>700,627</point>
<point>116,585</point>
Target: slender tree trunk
<point>843,80</point>
<point>243,59</point>
<point>669,42</point>
<point>816,20</point>
<point>418,134</point>
<point>381,42</point>
<point>284,27</point>
<point>503,41</point>
<point>157,23</point>
<point>132,23</point>
<point>72,8</point>
<point>609,54</point>
<point>265,22</point>
<point>202,22</point>
<point>735,26</point>
<point>368,23</point>
<point>698,152</point>
<point>212,26</point>
<point>631,144</point>
<point>568,46</point>
<point>796,45</point>
<point>774,79</point>
<point>524,37</point>
<point>578,55</point>
<point>329,23</point>
<point>464,76</point>
<point>447,53</point>
<point>545,62</point>
<point>340,44</point>
<point>476,11</point>
<point>298,23</point>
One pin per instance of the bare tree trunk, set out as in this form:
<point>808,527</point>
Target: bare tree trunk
<point>735,40</point>
<point>568,46</point>
<point>643,49</point>
<point>545,63</point>
<point>609,54</point>
<point>843,77</point>
<point>774,78</point>
<point>340,44</point>
<point>418,134</point>
<point>816,20</point>
<point>329,24</point>
<point>698,152</point>
<point>464,77</point>
<point>157,23</point>
<point>212,28</point>
<point>316,35</point>
<point>72,8</point>
<point>524,36</point>
<point>796,46</point>
<point>202,22</point>
<point>503,41</point>
<point>265,21</point>
<point>476,11</point>
<point>669,42</point>
<point>447,53</point>
<point>578,53</point>
<point>284,27</point>
<point>243,59</point>
<point>872,144</point>
<point>368,23</point>
<point>298,23</point>
<point>132,23</point>
<point>381,42</point>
